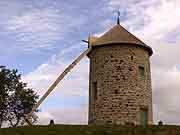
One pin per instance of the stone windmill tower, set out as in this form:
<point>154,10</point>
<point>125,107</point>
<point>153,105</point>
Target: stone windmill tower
<point>120,79</point>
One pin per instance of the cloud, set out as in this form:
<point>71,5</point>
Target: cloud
<point>41,78</point>
<point>34,26</point>
<point>150,20</point>
<point>162,20</point>
<point>165,96</point>
<point>165,81</point>
<point>76,115</point>
<point>37,28</point>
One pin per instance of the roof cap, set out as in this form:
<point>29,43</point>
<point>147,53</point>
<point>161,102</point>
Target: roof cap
<point>118,34</point>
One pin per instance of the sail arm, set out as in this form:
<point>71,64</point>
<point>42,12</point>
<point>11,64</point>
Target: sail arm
<point>55,83</point>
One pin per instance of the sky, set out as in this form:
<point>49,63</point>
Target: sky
<point>41,38</point>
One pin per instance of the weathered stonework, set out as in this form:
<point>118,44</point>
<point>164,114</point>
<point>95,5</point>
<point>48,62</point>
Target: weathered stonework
<point>121,90</point>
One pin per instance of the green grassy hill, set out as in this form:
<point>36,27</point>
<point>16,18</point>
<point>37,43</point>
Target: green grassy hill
<point>92,130</point>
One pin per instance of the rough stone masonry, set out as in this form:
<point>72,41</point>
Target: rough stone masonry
<point>120,79</point>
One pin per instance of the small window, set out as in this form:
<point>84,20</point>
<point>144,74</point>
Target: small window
<point>141,71</point>
<point>116,91</point>
<point>132,57</point>
<point>95,90</point>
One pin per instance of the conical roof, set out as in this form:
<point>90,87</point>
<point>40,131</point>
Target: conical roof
<point>118,34</point>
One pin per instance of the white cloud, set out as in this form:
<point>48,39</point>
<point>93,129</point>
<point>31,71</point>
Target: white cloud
<point>74,115</point>
<point>37,28</point>
<point>150,20</point>
<point>34,26</point>
<point>162,20</point>
<point>165,81</point>
<point>75,83</point>
<point>166,95</point>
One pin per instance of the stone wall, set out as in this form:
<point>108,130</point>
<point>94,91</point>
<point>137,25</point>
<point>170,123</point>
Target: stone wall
<point>121,90</point>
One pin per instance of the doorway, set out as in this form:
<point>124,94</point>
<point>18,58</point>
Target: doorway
<point>143,116</point>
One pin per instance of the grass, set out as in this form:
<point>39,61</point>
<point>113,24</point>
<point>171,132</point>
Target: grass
<point>92,130</point>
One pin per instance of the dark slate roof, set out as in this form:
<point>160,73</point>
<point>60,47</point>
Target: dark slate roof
<point>118,34</point>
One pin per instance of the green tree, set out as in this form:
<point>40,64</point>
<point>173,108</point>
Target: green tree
<point>16,99</point>
<point>3,93</point>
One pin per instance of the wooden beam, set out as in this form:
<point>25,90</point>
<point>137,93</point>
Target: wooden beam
<point>55,83</point>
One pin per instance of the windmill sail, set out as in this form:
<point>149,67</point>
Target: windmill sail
<point>55,83</point>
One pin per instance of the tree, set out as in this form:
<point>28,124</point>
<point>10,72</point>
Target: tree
<point>3,93</point>
<point>17,99</point>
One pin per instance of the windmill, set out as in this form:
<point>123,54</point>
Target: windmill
<point>28,117</point>
<point>119,74</point>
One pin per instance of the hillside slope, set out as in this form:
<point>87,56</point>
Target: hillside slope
<point>91,130</point>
